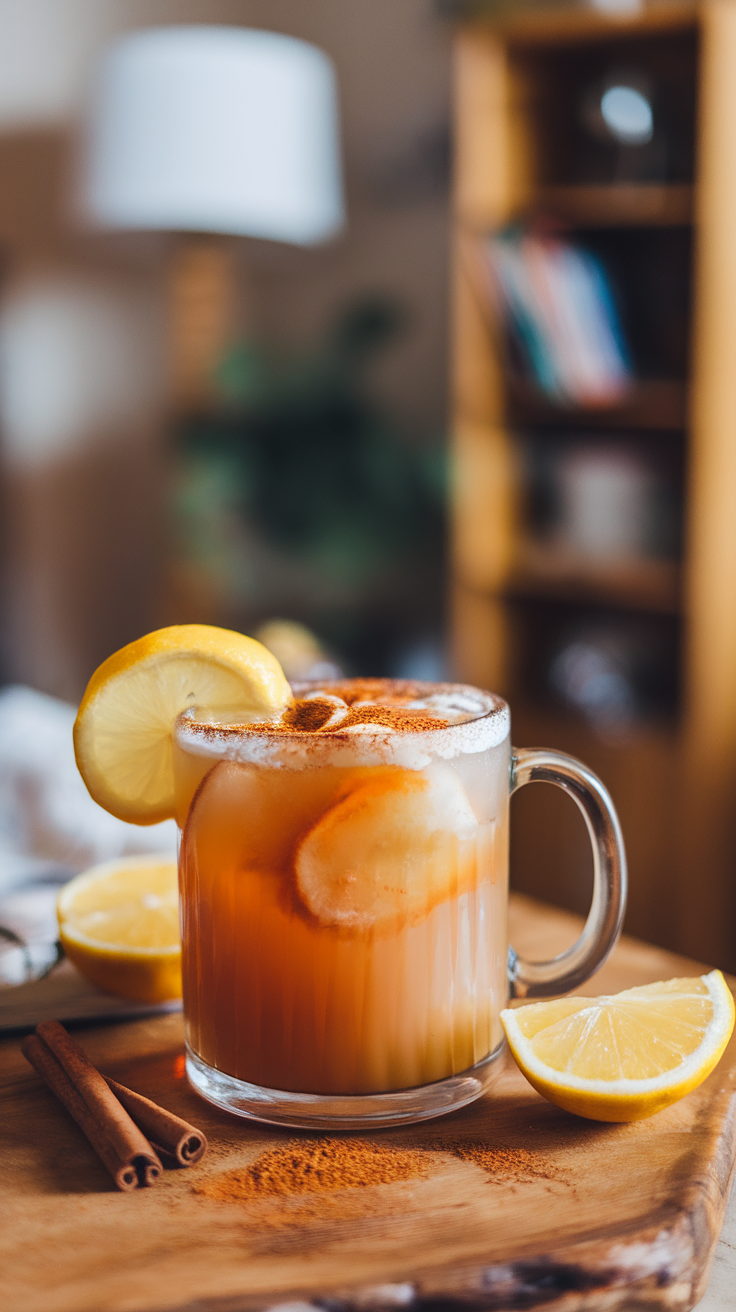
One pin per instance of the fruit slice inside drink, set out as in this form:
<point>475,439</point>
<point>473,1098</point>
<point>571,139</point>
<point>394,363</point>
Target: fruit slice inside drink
<point>343,905</point>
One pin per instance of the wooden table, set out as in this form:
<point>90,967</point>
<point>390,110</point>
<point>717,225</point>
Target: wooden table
<point>720,1296</point>
<point>595,1218</point>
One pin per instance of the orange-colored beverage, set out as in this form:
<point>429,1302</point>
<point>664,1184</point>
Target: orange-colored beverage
<point>343,882</point>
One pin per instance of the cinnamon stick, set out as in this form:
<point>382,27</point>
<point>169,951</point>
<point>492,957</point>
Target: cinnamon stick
<point>112,1133</point>
<point>167,1133</point>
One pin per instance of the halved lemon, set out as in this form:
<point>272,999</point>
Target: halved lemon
<point>627,1055</point>
<point>123,731</point>
<point>119,925</point>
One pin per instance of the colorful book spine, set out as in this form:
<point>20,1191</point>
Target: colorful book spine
<point>557,302</point>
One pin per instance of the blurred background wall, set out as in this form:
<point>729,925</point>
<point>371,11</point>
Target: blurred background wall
<point>87,486</point>
<point>229,430</point>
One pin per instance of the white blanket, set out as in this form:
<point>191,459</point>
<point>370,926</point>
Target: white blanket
<point>50,829</point>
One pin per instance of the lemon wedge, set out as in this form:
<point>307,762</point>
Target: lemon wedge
<point>119,925</point>
<point>625,1056</point>
<point>122,735</point>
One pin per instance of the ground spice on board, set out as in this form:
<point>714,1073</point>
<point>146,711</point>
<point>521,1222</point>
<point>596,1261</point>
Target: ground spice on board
<point>511,1164</point>
<point>315,1166</point>
<point>301,1184</point>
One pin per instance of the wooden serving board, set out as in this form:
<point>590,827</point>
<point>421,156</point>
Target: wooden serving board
<point>517,1205</point>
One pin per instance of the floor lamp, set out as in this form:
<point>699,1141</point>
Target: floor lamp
<point>212,130</point>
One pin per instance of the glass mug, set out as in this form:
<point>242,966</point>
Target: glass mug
<point>344,888</point>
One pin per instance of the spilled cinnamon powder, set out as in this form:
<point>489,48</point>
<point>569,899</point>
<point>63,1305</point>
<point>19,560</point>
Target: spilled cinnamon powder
<point>316,1166</point>
<point>516,1165</point>
<point>301,1178</point>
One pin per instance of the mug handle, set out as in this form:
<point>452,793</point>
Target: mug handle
<point>562,974</point>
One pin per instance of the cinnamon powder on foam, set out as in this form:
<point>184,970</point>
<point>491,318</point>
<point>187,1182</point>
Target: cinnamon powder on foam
<point>389,710</point>
<point>310,716</point>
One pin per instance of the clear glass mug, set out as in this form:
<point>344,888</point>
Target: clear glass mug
<point>344,891</point>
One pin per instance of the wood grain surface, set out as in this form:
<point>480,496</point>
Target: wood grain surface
<point>515,1204</point>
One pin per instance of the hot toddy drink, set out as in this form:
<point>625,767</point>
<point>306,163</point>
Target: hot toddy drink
<point>344,885</point>
<point>343,873</point>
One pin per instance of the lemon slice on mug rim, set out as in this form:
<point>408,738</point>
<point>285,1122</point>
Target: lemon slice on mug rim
<point>123,730</point>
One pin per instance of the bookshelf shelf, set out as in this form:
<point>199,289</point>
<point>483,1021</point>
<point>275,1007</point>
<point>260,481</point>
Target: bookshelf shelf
<point>549,574</point>
<point>667,242</point>
<point>652,404</point>
<point>634,205</point>
<point>606,206</point>
<point>577,24</point>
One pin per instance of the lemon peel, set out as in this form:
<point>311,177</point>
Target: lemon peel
<point>624,1056</point>
<point>123,731</point>
<point>119,925</point>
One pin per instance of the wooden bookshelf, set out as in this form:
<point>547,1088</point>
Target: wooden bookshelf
<point>673,777</point>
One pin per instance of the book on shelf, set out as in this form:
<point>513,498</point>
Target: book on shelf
<point>557,303</point>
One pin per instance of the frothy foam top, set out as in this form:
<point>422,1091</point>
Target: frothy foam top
<point>352,722</point>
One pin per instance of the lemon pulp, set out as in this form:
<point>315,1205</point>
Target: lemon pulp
<point>123,730</point>
<point>119,925</point>
<point>627,1055</point>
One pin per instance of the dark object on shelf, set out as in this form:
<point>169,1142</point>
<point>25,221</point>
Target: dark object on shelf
<point>618,670</point>
<point>604,498</point>
<point>574,120</point>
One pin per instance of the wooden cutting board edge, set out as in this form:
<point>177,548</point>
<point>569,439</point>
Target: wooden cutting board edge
<point>647,1272</point>
<point>607,1272</point>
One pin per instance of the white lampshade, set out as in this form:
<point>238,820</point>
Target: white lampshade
<point>216,129</point>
